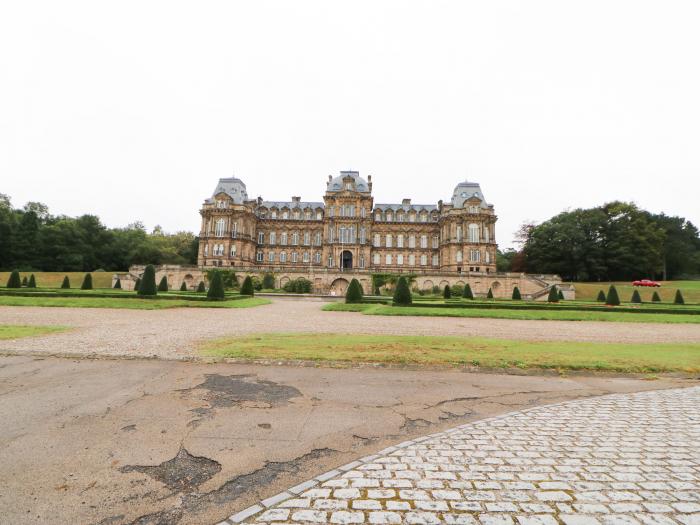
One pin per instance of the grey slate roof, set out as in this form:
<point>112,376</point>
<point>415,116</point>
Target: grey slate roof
<point>466,190</point>
<point>406,207</point>
<point>336,184</point>
<point>233,187</point>
<point>291,204</point>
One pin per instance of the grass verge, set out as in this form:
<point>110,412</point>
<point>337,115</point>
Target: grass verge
<point>9,331</point>
<point>493,313</point>
<point>130,303</point>
<point>460,351</point>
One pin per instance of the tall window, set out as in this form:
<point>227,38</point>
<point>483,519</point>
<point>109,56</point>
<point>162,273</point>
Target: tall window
<point>474,255</point>
<point>362,212</point>
<point>423,260</point>
<point>399,259</point>
<point>487,257</point>
<point>283,257</point>
<point>220,227</point>
<point>330,234</point>
<point>362,261</point>
<point>375,259</point>
<point>399,216</point>
<point>283,238</point>
<point>295,238</point>
<point>388,259</point>
<point>377,240</point>
<point>307,238</point>
<point>271,257</point>
<point>273,214</point>
<point>423,241</point>
<point>259,257</point>
<point>436,260</point>
<point>318,240</point>
<point>423,217</point>
<point>399,240</point>
<point>297,214</point>
<point>307,214</point>
<point>363,235</point>
<point>378,216</point>
<point>261,237</point>
<point>473,233</point>
<point>486,233</point>
<point>319,215</point>
<point>436,241</point>
<point>273,238</point>
<point>411,260</point>
<point>389,240</point>
<point>459,233</point>
<point>294,257</point>
<point>458,256</point>
<point>306,257</point>
<point>389,216</point>
<point>317,257</point>
<point>206,250</point>
<point>285,214</point>
<point>411,241</point>
<point>233,251</point>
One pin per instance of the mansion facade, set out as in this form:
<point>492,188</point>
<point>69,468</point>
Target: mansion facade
<point>348,231</point>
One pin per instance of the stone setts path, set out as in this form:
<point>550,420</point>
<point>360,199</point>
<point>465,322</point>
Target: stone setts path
<point>622,459</point>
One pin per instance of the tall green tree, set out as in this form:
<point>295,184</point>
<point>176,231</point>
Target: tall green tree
<point>247,287</point>
<point>467,292</point>
<point>66,283</point>
<point>87,282</point>
<point>147,286</point>
<point>216,288</point>
<point>354,292</point>
<point>14,281</point>
<point>163,284</point>
<point>402,293</point>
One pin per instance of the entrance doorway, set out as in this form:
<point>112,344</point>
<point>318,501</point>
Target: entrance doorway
<point>346,260</point>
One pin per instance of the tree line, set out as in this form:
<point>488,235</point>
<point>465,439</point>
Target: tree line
<point>33,239</point>
<point>615,241</point>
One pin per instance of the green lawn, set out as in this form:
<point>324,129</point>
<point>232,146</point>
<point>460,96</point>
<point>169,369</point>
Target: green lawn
<point>548,315</point>
<point>8,331</point>
<point>129,303</point>
<point>667,291</point>
<point>459,351</point>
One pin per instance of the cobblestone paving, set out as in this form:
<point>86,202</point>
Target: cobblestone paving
<point>622,459</point>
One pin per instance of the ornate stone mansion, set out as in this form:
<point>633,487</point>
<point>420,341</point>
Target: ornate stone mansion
<point>348,231</point>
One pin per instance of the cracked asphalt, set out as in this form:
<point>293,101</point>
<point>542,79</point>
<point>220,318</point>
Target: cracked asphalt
<point>168,442</point>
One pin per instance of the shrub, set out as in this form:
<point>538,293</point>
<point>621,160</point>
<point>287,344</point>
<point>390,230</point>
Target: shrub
<point>118,284</point>
<point>303,285</point>
<point>601,296</point>
<point>183,286</point>
<point>516,294</point>
<point>228,277</point>
<point>446,292</point>
<point>32,281</point>
<point>402,294</point>
<point>216,287</point>
<point>655,298</point>
<point>553,296</point>
<point>87,282</point>
<point>247,287</point>
<point>457,290</point>
<point>201,287</point>
<point>14,281</point>
<point>678,299</point>
<point>636,298</point>
<point>354,292</point>
<point>489,295</point>
<point>268,281</point>
<point>612,299</point>
<point>561,295</point>
<point>467,293</point>
<point>66,283</point>
<point>24,281</point>
<point>147,287</point>
<point>163,284</point>
<point>436,289</point>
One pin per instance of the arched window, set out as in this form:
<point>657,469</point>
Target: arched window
<point>295,238</point>
<point>220,227</point>
<point>283,239</point>
<point>389,216</point>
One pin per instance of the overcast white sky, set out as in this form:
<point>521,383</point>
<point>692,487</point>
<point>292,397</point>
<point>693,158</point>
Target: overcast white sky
<point>134,110</point>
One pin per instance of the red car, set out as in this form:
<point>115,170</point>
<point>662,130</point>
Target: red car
<point>646,282</point>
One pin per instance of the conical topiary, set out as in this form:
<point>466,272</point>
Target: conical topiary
<point>163,284</point>
<point>612,299</point>
<point>560,294</point>
<point>655,298</point>
<point>636,298</point>
<point>601,296</point>
<point>516,294</point>
<point>467,292</point>
<point>25,282</point>
<point>118,284</point>
<point>402,293</point>
<point>32,281</point>
<point>201,287</point>
<point>183,286</point>
<point>66,283</point>
<point>137,284</point>
<point>247,286</point>
<point>447,292</point>
<point>354,292</point>
<point>678,299</point>
<point>14,281</point>
<point>489,295</point>
<point>87,282</point>
<point>216,287</point>
<point>147,286</point>
<point>553,296</point>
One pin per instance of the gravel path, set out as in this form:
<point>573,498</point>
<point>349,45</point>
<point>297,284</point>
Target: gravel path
<point>174,333</point>
<point>624,459</point>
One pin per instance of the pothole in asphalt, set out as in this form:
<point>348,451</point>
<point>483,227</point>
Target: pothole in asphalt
<point>244,390</point>
<point>184,472</point>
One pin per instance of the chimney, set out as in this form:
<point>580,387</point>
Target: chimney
<point>330,178</point>
<point>296,199</point>
<point>406,202</point>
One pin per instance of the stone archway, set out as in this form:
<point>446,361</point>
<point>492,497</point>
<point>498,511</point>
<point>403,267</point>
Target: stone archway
<point>339,286</point>
<point>189,281</point>
<point>283,280</point>
<point>496,288</point>
<point>428,285</point>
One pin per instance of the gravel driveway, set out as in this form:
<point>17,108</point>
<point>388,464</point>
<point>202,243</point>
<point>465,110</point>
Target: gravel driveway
<point>174,333</point>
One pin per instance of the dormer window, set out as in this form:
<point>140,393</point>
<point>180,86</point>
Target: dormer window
<point>348,186</point>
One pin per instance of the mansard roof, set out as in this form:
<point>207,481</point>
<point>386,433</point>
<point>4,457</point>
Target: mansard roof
<point>406,207</point>
<point>291,204</point>
<point>233,187</point>
<point>336,183</point>
<point>465,191</point>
